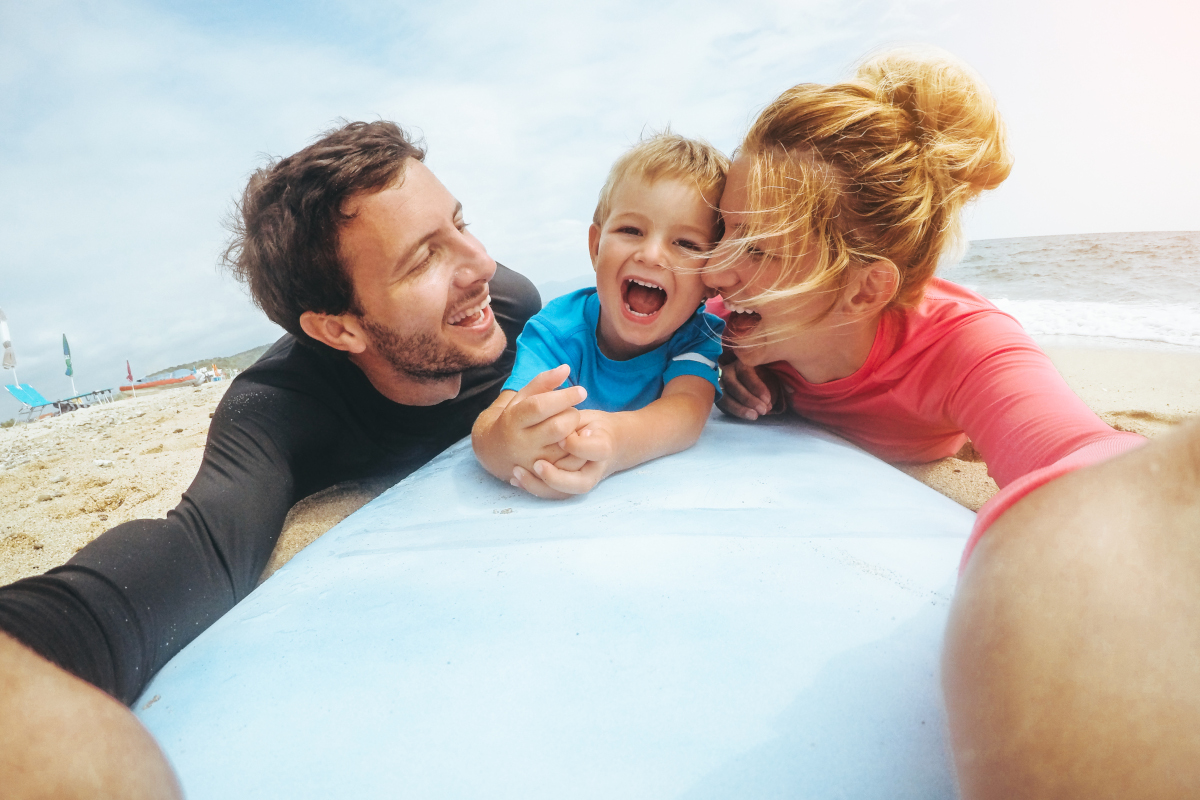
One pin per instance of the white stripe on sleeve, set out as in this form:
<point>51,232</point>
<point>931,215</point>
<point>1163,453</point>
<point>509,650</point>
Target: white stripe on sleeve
<point>695,357</point>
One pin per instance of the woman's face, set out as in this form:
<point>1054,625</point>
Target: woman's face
<point>762,331</point>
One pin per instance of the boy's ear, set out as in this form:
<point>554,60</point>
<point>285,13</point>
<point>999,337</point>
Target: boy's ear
<point>339,331</point>
<point>594,243</point>
<point>873,287</point>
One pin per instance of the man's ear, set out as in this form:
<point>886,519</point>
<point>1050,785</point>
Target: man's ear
<point>873,287</point>
<point>339,331</point>
<point>594,243</point>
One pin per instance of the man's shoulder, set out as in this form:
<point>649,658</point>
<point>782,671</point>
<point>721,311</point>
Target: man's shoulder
<point>292,365</point>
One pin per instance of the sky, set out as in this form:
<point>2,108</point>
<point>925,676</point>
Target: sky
<point>128,129</point>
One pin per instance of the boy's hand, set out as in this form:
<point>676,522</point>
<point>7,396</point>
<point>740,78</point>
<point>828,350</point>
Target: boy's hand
<point>749,392</point>
<point>590,451</point>
<point>523,427</point>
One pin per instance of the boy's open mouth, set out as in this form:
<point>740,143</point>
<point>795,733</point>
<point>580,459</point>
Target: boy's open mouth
<point>642,298</point>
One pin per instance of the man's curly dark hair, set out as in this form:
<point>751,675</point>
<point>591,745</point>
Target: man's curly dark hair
<point>284,243</point>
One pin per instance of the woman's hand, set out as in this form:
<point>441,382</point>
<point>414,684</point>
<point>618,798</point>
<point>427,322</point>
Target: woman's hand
<point>749,392</point>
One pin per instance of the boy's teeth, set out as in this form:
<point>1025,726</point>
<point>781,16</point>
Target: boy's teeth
<point>738,309</point>
<point>472,311</point>
<point>647,284</point>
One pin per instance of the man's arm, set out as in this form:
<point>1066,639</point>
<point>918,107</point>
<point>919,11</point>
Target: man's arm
<point>611,442</point>
<point>119,609</point>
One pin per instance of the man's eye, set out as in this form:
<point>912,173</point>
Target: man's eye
<point>423,264</point>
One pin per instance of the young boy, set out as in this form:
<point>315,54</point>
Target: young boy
<point>637,355</point>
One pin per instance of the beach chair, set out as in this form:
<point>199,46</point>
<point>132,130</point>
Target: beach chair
<point>92,398</point>
<point>31,401</point>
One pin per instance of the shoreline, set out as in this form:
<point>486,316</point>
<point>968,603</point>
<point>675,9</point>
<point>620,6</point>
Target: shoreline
<point>56,494</point>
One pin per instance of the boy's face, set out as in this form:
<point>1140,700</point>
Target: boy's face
<point>647,255</point>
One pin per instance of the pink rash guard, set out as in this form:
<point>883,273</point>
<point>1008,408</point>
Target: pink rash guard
<point>956,367</point>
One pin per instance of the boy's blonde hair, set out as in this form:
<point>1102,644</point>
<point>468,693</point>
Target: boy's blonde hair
<point>667,155</point>
<point>878,167</point>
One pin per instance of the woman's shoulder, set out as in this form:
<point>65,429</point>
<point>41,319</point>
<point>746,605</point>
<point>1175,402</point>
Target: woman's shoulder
<point>946,306</point>
<point>951,323</point>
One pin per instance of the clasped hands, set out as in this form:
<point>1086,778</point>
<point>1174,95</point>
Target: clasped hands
<point>541,443</point>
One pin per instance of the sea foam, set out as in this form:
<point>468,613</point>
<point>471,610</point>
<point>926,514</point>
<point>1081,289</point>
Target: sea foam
<point>1139,288</point>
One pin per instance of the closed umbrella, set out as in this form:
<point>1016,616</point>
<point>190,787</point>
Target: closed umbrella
<point>10,356</point>
<point>70,371</point>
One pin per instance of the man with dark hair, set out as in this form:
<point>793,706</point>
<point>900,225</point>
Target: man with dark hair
<point>401,329</point>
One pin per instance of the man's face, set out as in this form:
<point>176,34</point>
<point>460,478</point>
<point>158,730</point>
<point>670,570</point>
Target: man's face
<point>420,279</point>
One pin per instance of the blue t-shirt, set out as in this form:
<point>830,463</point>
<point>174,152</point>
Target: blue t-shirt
<point>564,332</point>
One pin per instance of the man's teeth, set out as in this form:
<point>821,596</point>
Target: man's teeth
<point>472,311</point>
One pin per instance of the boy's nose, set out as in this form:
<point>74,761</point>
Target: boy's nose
<point>653,252</point>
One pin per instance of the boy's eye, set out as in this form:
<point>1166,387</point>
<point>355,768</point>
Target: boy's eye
<point>461,224</point>
<point>630,229</point>
<point>687,244</point>
<point>754,252</point>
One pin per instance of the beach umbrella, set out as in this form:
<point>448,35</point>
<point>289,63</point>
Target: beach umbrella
<point>10,356</point>
<point>70,371</point>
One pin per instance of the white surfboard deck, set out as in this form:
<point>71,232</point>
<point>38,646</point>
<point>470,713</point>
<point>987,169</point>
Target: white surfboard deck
<point>758,617</point>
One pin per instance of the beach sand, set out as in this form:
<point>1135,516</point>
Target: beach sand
<point>65,480</point>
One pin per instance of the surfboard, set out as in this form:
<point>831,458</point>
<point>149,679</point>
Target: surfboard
<point>759,616</point>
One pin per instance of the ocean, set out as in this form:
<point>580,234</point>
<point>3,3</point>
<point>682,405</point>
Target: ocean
<point>1109,289</point>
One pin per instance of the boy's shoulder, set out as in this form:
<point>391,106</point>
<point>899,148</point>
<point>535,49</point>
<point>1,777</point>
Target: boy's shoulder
<point>571,312</point>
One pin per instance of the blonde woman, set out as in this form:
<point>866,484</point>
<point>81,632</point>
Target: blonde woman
<point>837,210</point>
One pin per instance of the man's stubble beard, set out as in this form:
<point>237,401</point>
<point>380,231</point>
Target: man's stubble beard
<point>424,357</point>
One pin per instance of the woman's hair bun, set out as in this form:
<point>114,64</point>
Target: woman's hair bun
<point>953,114</point>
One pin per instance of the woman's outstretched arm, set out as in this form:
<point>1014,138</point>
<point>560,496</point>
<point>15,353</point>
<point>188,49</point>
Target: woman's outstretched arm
<point>1073,650</point>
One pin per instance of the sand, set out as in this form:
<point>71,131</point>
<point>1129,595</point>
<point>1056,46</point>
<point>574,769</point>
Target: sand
<point>65,480</point>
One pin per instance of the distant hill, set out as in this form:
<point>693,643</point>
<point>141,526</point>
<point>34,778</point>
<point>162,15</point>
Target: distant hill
<point>238,362</point>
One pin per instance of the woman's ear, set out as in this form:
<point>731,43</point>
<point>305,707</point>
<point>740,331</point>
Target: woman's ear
<point>339,331</point>
<point>873,287</point>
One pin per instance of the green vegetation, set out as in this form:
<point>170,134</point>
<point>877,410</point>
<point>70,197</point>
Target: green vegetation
<point>239,362</point>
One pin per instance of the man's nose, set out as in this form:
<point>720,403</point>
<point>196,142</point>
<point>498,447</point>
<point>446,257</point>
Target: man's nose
<point>475,264</point>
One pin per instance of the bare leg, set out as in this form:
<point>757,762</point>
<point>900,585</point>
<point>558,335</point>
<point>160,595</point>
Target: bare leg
<point>1072,663</point>
<point>63,738</point>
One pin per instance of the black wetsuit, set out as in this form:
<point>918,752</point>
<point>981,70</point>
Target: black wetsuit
<point>298,421</point>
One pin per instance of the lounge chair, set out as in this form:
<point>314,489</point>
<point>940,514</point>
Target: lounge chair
<point>32,401</point>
